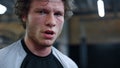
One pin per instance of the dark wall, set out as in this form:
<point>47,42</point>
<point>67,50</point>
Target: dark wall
<point>106,55</point>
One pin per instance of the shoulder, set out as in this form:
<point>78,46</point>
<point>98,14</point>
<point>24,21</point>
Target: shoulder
<point>12,53</point>
<point>65,60</point>
<point>57,53</point>
<point>10,50</point>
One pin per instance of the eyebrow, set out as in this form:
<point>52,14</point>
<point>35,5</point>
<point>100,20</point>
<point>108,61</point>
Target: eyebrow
<point>49,0</point>
<point>47,8</point>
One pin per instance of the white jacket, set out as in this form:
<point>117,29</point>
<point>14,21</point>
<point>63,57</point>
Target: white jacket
<point>13,55</point>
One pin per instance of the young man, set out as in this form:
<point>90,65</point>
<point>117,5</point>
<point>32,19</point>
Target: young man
<point>43,21</point>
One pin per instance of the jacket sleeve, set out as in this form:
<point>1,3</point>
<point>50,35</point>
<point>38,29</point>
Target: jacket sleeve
<point>64,60</point>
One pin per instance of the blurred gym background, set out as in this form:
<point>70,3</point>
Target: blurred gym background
<point>90,38</point>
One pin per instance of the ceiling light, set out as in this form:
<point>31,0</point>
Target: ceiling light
<point>101,11</point>
<point>3,9</point>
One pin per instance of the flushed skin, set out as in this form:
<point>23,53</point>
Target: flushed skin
<point>43,21</point>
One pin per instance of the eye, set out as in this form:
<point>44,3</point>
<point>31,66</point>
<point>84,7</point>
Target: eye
<point>58,14</point>
<point>42,12</point>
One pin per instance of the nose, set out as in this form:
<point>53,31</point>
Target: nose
<point>50,20</point>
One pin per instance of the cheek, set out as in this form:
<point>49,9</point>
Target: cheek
<point>60,26</point>
<point>61,22</point>
<point>36,20</point>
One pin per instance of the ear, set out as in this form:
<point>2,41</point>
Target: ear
<point>24,18</point>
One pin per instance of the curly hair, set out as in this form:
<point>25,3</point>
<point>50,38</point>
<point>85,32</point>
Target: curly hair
<point>22,7</point>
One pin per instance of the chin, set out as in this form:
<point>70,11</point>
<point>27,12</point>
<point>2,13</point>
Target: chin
<point>47,44</point>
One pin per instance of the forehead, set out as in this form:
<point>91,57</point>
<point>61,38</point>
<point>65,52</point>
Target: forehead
<point>45,2</point>
<point>49,0</point>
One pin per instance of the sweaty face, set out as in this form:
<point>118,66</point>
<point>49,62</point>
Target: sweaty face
<point>44,22</point>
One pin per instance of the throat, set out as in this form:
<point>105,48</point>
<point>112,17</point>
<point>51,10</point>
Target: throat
<point>42,52</point>
<point>36,50</point>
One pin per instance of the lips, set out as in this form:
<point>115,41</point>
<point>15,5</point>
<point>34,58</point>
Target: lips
<point>49,34</point>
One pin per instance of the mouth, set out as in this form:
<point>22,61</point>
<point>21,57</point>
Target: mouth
<point>49,34</point>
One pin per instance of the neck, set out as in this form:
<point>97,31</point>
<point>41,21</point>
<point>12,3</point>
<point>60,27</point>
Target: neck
<point>37,49</point>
